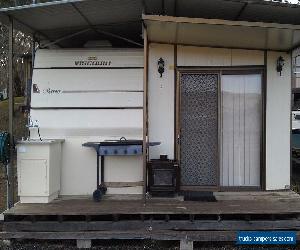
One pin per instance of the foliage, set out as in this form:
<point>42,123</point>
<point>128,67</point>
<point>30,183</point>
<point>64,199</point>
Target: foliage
<point>22,47</point>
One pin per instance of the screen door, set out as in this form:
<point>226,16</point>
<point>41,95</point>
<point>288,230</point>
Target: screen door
<point>241,112</point>
<point>199,129</point>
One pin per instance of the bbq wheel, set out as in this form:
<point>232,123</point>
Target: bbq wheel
<point>97,195</point>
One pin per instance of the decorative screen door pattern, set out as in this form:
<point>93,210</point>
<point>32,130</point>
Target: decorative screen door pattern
<point>199,129</point>
<point>241,112</point>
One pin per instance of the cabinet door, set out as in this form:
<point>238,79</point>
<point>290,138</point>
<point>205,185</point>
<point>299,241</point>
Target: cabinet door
<point>33,177</point>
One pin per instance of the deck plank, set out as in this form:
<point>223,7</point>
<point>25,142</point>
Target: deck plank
<point>257,203</point>
<point>206,236</point>
<point>159,219</point>
<point>179,225</point>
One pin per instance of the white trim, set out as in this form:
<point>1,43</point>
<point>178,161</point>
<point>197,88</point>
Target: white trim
<point>218,22</point>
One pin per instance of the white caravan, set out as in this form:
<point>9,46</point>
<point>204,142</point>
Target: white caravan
<point>79,96</point>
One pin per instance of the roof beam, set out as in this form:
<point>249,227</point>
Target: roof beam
<point>175,7</point>
<point>119,37</point>
<point>163,9</point>
<point>241,11</point>
<point>65,37</point>
<point>218,22</point>
<point>101,31</point>
<point>144,6</point>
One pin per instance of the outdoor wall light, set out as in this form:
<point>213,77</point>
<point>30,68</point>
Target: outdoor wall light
<point>161,66</point>
<point>280,63</point>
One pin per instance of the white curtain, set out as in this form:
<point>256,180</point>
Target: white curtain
<point>240,128</point>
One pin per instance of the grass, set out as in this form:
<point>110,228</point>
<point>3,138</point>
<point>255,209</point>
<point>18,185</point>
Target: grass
<point>18,100</point>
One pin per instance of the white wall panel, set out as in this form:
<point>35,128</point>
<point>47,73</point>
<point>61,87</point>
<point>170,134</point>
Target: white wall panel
<point>89,79</point>
<point>110,99</point>
<point>62,82</point>
<point>161,100</point>
<point>202,56</point>
<point>88,88</point>
<point>46,58</point>
<point>78,175</point>
<point>207,57</point>
<point>106,123</point>
<point>278,123</point>
<point>241,57</point>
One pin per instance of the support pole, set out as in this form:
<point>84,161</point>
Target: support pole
<point>32,52</point>
<point>84,244</point>
<point>186,245</point>
<point>10,171</point>
<point>145,114</point>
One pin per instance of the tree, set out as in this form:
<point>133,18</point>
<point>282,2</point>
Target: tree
<point>22,46</point>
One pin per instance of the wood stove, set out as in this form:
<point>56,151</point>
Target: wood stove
<point>163,177</point>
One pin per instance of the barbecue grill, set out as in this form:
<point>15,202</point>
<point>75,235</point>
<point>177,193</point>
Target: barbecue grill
<point>122,147</point>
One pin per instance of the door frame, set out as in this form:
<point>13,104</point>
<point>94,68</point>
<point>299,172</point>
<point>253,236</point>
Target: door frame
<point>242,70</point>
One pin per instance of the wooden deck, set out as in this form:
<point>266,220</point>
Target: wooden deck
<point>157,219</point>
<point>228,203</point>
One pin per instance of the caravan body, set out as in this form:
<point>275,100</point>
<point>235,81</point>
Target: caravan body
<point>89,95</point>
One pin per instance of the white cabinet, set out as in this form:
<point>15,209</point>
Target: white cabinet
<point>39,170</point>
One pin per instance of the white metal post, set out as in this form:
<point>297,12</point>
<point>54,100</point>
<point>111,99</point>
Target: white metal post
<point>145,114</point>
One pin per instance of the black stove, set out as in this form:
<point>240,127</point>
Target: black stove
<point>163,177</point>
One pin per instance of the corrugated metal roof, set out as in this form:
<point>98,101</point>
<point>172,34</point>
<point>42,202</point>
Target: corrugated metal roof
<point>247,10</point>
<point>56,19</point>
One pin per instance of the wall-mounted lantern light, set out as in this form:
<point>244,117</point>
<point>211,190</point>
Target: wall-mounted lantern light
<point>280,64</point>
<point>161,66</point>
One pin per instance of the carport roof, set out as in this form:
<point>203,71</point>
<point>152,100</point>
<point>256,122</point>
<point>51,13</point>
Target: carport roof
<point>86,18</point>
<point>222,33</point>
<point>102,19</point>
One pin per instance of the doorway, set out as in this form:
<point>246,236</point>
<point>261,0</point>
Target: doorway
<point>219,128</point>
<point>199,129</point>
<point>241,130</point>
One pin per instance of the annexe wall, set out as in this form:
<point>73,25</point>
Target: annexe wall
<point>278,123</point>
<point>162,101</point>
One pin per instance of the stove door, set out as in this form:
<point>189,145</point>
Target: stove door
<point>199,129</point>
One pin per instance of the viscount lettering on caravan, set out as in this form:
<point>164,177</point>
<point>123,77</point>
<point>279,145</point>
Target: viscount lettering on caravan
<point>92,63</point>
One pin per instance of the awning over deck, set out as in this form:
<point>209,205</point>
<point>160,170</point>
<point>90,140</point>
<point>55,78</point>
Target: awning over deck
<point>71,23</point>
<point>74,22</point>
<point>222,33</point>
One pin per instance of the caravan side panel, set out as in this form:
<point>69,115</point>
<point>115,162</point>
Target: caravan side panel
<point>88,102</point>
<point>87,88</point>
